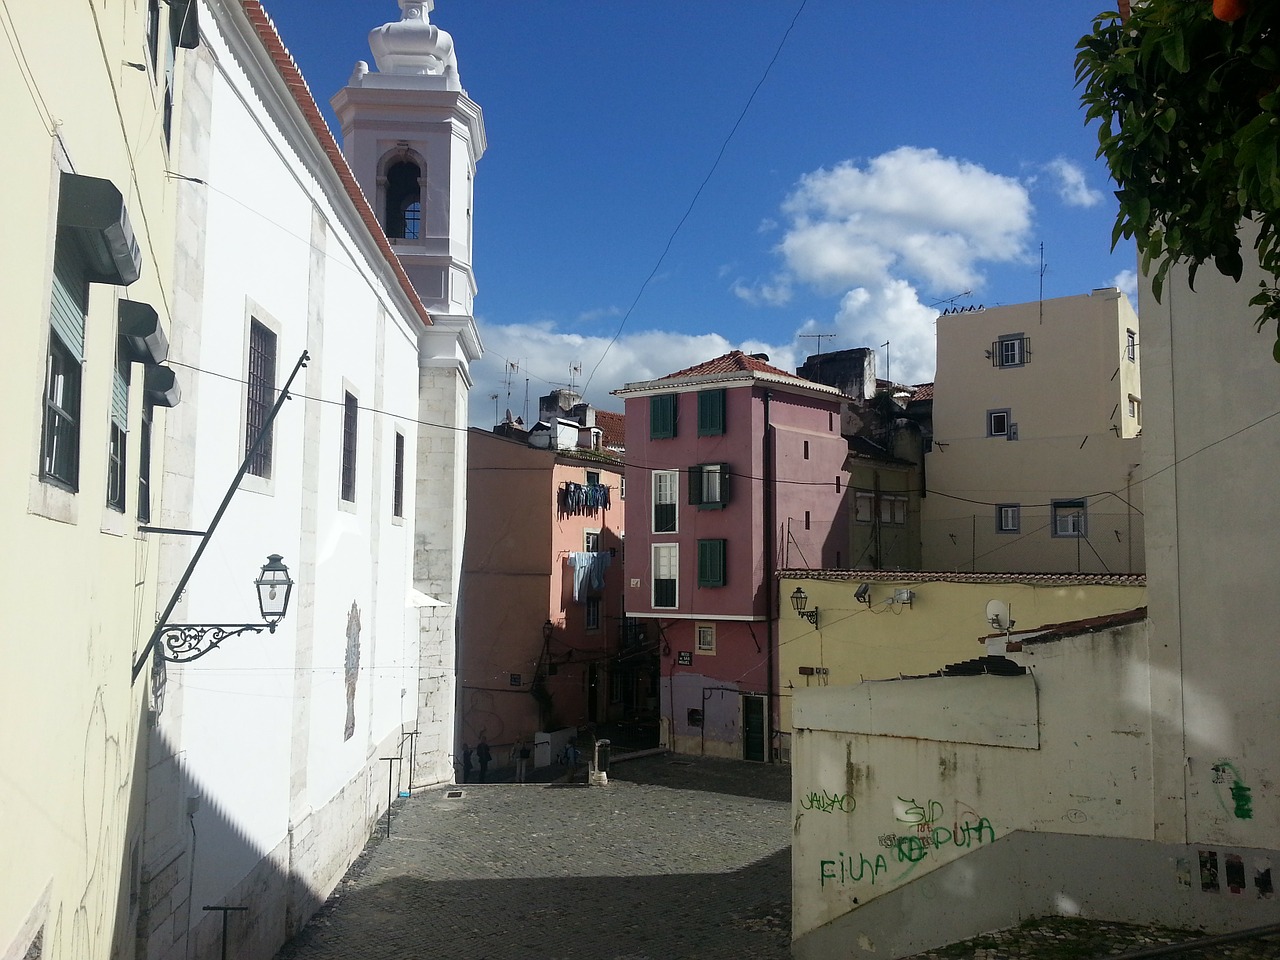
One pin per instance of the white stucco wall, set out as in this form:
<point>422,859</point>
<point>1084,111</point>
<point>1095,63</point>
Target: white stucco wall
<point>258,729</point>
<point>893,780</point>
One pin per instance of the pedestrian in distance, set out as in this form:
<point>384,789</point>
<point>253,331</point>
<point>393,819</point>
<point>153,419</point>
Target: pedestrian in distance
<point>466,764</point>
<point>520,757</point>
<point>483,756</point>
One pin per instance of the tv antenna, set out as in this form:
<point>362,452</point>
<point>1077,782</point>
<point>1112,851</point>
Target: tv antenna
<point>998,616</point>
<point>1043,267</point>
<point>575,370</point>
<point>951,301</point>
<point>816,336</point>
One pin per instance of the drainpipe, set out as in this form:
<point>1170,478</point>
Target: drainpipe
<point>770,546</point>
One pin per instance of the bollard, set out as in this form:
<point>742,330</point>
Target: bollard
<point>600,764</point>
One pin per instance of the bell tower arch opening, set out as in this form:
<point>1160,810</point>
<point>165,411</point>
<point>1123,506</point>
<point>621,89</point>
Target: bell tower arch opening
<point>400,184</point>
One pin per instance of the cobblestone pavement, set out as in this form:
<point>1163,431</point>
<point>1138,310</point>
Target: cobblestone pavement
<point>641,869</point>
<point>678,857</point>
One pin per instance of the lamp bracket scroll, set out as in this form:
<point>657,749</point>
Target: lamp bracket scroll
<point>184,642</point>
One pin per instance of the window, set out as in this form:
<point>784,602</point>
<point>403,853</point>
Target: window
<point>404,201</point>
<point>593,613</point>
<point>666,568</point>
<point>837,484</point>
<point>998,423</point>
<point>706,639</point>
<point>710,413</point>
<point>591,541</point>
<point>1131,346</point>
<point>806,449</point>
<point>1135,408</point>
<point>893,509</point>
<point>665,483</point>
<point>144,466</point>
<point>397,483</point>
<point>622,487</point>
<point>1011,350</point>
<point>709,485</point>
<point>806,519</point>
<point>662,416</point>
<point>350,412</point>
<point>116,466</point>
<point>711,563</point>
<point>261,396</point>
<point>864,506</point>
<point>1008,517</point>
<point>60,438</point>
<point>1070,518</point>
<point>153,32</point>
<point>593,478</point>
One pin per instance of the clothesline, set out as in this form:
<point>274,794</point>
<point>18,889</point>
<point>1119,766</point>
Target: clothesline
<point>577,499</point>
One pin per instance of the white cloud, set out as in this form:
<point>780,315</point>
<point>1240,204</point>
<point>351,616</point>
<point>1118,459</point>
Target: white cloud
<point>775,293</point>
<point>1127,282</point>
<point>1072,188</point>
<point>910,213</point>
<point>892,312</point>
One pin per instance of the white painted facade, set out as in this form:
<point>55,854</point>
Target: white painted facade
<point>265,775</point>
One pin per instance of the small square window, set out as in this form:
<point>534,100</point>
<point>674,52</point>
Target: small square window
<point>1135,409</point>
<point>591,541</point>
<point>1070,518</point>
<point>662,416</point>
<point>1008,517</point>
<point>593,478</point>
<point>710,413</point>
<point>1131,346</point>
<point>998,423</point>
<point>706,639</point>
<point>893,509</point>
<point>709,485</point>
<point>711,558</point>
<point>864,506</point>
<point>1012,350</point>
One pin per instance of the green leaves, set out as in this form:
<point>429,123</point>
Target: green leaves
<point>1188,112</point>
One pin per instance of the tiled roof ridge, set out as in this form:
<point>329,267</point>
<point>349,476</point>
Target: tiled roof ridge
<point>954,576</point>
<point>734,358</point>
<point>301,92</point>
<point>1072,628</point>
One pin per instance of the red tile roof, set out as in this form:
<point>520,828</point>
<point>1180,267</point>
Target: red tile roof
<point>612,428</point>
<point>952,576</point>
<point>1073,628</point>
<point>734,362</point>
<point>297,85</point>
<point>923,391</point>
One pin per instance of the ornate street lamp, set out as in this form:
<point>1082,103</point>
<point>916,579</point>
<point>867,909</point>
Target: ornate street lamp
<point>800,600</point>
<point>184,642</point>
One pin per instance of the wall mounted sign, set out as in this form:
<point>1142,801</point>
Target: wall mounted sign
<point>685,658</point>
<point>515,679</point>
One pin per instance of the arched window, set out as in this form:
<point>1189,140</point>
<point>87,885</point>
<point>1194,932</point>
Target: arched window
<point>404,201</point>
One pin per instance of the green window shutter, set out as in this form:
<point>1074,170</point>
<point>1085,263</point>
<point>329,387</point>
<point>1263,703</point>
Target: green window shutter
<point>695,485</point>
<point>70,299</point>
<point>710,413</point>
<point>711,563</point>
<point>662,416</point>
<point>120,396</point>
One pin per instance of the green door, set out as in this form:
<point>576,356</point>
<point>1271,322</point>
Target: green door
<point>753,728</point>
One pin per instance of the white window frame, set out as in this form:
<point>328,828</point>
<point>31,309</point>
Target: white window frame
<point>704,642</point>
<point>591,541</point>
<point>666,491</point>
<point>1131,346</point>
<point>998,422</point>
<point>864,506</point>
<point>1008,517</point>
<point>665,559</point>
<point>893,509</point>
<point>1070,518</point>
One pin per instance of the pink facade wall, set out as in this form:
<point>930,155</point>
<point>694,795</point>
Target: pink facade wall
<point>516,576</point>
<point>812,485</point>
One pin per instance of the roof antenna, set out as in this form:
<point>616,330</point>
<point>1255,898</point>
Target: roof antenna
<point>1043,268</point>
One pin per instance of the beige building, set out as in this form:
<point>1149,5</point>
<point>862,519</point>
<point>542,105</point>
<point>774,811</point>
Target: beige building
<point>86,254</point>
<point>908,623</point>
<point>1036,462</point>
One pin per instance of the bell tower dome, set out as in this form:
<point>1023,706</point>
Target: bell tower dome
<point>413,137</point>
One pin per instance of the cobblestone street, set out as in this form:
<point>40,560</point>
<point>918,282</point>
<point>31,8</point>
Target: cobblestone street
<point>674,858</point>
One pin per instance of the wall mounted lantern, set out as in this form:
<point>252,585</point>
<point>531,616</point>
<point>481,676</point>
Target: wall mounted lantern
<point>184,642</point>
<point>799,601</point>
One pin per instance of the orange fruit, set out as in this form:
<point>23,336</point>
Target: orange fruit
<point>1229,10</point>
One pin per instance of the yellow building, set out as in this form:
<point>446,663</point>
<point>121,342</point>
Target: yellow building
<point>87,92</point>
<point>905,624</point>
<point>1036,461</point>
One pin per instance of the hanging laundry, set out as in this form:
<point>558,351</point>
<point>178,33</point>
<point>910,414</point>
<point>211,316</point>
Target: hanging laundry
<point>588,571</point>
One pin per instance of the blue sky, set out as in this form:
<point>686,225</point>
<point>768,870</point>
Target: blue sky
<point>895,155</point>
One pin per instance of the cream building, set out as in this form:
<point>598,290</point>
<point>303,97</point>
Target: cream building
<point>1120,769</point>
<point>87,257</point>
<point>1036,461</point>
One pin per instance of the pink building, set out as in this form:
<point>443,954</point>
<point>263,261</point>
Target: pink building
<point>735,470</point>
<point>541,589</point>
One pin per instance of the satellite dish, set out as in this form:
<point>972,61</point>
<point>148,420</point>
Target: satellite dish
<point>998,615</point>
